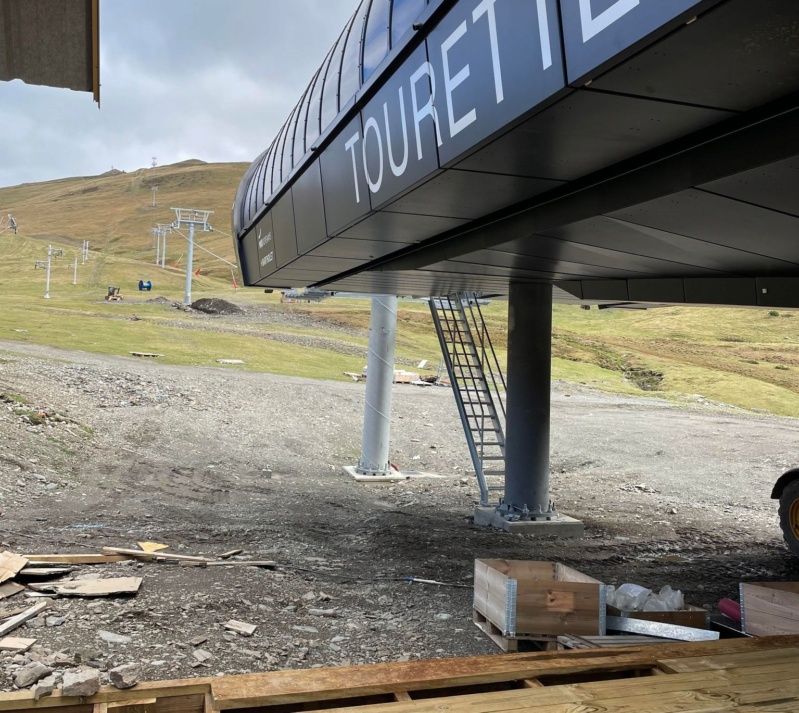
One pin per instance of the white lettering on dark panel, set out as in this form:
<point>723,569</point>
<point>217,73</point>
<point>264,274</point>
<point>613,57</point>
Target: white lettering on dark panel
<point>486,7</point>
<point>428,109</point>
<point>457,82</point>
<point>397,169</point>
<point>350,146</point>
<point>265,240</point>
<point>451,83</point>
<point>594,25</point>
<point>374,185</point>
<point>543,31</point>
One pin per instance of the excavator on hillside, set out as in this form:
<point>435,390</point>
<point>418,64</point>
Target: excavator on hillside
<point>113,294</point>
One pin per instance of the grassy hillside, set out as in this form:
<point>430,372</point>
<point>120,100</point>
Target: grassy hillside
<point>115,213</point>
<point>744,357</point>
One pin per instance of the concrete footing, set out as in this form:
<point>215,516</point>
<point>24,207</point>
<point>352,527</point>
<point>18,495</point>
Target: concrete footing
<point>561,526</point>
<point>394,477</point>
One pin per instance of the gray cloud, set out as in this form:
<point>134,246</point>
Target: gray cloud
<point>209,79</point>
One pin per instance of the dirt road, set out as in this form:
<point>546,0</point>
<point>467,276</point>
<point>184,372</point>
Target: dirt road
<point>669,494</point>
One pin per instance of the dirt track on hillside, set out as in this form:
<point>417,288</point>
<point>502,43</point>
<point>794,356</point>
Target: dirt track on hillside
<point>669,495</point>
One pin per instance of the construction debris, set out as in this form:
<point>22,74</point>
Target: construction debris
<point>241,627</point>
<point>45,687</point>
<point>16,644</point>
<point>18,620</point>
<point>79,558</point>
<point>9,589</point>
<point>91,587</point>
<point>45,571</point>
<point>228,555</point>
<point>152,546</point>
<point>152,556</point>
<point>111,638</point>
<point>10,565</point>
<point>30,673</point>
<point>126,676</point>
<point>80,683</point>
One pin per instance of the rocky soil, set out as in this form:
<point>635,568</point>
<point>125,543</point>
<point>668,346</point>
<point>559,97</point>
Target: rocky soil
<point>103,451</point>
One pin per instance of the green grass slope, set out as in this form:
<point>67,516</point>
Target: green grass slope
<point>743,357</point>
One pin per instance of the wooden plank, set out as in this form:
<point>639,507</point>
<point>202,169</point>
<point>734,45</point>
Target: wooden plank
<point>16,644</point>
<point>10,564</point>
<point>20,619</point>
<point>695,617</point>
<point>174,696</point>
<point>252,690</point>
<point>267,564</point>
<point>79,558</point>
<point>100,708</point>
<point>770,609</point>
<point>744,683</point>
<point>152,556</point>
<point>45,571</point>
<point>402,696</point>
<point>140,705</point>
<point>732,660</point>
<point>563,573</point>
<point>231,553</point>
<point>91,587</point>
<point>9,589</point>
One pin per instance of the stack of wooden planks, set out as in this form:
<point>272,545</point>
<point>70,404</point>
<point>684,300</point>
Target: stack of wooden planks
<point>743,675</point>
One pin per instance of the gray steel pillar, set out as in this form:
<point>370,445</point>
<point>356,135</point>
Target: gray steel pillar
<point>379,381</point>
<point>189,265</point>
<point>529,372</point>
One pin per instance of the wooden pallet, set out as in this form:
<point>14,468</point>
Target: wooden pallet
<point>512,644</point>
<point>757,675</point>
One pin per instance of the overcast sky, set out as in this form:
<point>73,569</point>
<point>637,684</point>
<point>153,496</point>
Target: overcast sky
<point>207,79</point>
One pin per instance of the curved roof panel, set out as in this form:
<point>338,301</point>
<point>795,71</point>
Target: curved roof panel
<point>375,26</point>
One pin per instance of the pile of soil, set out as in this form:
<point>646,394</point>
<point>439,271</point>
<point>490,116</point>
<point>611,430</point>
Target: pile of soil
<point>215,305</point>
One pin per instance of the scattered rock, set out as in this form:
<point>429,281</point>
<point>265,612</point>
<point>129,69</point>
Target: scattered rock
<point>45,687</point>
<point>197,640</point>
<point>443,616</point>
<point>112,638</point>
<point>306,629</point>
<point>323,612</point>
<point>126,676</point>
<point>31,673</point>
<point>83,682</point>
<point>241,627</point>
<point>202,655</point>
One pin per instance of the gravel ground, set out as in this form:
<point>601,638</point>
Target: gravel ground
<point>113,451</point>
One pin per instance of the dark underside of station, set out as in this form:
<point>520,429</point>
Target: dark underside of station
<point>623,150</point>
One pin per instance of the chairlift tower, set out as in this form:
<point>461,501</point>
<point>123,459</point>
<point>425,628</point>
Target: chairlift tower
<point>195,219</point>
<point>165,229</point>
<point>157,240</point>
<point>155,187</point>
<point>8,223</point>
<point>47,286</point>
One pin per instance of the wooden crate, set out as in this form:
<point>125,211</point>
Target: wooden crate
<point>692,616</point>
<point>770,608</point>
<point>537,599</point>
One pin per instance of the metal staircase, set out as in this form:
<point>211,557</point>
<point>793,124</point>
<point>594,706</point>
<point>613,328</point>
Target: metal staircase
<point>477,382</point>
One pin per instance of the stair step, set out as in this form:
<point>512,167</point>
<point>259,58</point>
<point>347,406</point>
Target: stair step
<point>495,487</point>
<point>493,472</point>
<point>492,457</point>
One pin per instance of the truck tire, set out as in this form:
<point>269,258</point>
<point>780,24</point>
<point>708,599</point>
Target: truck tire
<point>789,515</point>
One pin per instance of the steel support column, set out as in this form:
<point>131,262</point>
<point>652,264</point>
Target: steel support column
<point>528,401</point>
<point>379,381</point>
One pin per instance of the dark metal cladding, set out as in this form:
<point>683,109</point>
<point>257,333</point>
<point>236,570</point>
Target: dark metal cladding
<point>632,150</point>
